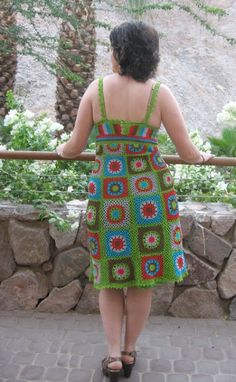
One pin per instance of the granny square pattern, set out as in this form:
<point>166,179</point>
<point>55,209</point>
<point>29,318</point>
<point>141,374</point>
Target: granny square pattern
<point>133,225</point>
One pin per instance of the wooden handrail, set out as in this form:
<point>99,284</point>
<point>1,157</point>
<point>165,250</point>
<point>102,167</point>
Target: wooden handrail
<point>48,155</point>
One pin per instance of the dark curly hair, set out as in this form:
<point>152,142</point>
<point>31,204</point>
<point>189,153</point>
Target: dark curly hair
<point>136,49</point>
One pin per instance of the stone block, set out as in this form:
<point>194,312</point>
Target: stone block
<point>82,232</point>
<point>62,239</point>
<point>161,298</point>
<point>89,300</point>
<point>232,309</point>
<point>43,285</point>
<point>61,300</point>
<point>30,243</point>
<point>68,265</point>
<point>186,222</point>
<point>227,279</point>
<point>203,218</point>
<point>206,244</point>
<point>20,291</point>
<point>222,222</point>
<point>198,303</point>
<point>7,262</point>
<point>199,271</point>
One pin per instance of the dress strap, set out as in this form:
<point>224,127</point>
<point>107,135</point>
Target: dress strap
<point>101,99</point>
<point>152,102</point>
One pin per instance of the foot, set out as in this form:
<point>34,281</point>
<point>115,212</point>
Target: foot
<point>111,363</point>
<point>128,357</point>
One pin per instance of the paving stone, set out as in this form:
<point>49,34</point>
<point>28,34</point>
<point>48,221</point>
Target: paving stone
<point>66,347</point>
<point>153,377</point>
<point>23,358</point>
<point>38,346</point>
<point>199,341</point>
<point>142,365</point>
<point>192,353</point>
<point>169,352</point>
<point>5,356</point>
<point>207,366</point>
<point>97,376</point>
<point>82,349</point>
<point>9,371</point>
<point>213,353</point>
<point>80,375</point>
<point>177,378</point>
<point>56,374</point>
<point>16,345</point>
<point>90,362</point>
<point>63,360</point>
<point>148,352</point>
<point>225,378</point>
<point>44,359</point>
<point>230,353</point>
<point>135,377</point>
<point>183,365</point>
<point>179,341</point>
<point>162,365</point>
<point>75,361</point>
<point>202,378</point>
<point>228,367</point>
<point>32,373</point>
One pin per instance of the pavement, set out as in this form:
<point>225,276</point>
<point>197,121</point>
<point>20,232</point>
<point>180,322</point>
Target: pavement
<point>69,348</point>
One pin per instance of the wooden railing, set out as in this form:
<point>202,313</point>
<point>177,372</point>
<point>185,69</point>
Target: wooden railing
<point>48,155</point>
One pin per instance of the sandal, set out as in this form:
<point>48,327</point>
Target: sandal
<point>113,374</point>
<point>128,366</point>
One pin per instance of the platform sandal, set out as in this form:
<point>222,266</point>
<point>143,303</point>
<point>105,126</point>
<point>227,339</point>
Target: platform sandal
<point>128,366</point>
<point>112,374</point>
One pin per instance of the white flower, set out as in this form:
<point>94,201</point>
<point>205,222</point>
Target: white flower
<point>55,126</point>
<point>70,189</point>
<point>83,176</point>
<point>1,164</point>
<point>227,118</point>
<point>11,117</point>
<point>2,147</point>
<point>222,186</point>
<point>64,137</point>
<point>74,226</point>
<point>72,214</point>
<point>53,143</point>
<point>28,114</point>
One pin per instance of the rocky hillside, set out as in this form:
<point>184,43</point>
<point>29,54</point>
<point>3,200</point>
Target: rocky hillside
<point>199,68</point>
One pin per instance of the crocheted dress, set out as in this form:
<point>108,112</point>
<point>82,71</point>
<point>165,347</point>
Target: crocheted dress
<point>134,234</point>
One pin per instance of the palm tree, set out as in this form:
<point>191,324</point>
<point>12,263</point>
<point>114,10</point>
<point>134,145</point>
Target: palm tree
<point>76,52</point>
<point>8,55</point>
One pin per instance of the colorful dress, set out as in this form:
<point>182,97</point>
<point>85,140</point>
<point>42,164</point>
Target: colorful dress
<point>134,234</point>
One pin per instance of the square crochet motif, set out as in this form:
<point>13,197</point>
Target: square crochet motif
<point>115,166</point>
<point>148,209</point>
<point>118,243</point>
<point>116,213</point>
<point>120,270</point>
<point>171,205</point>
<point>151,239</point>
<point>115,188</point>
<point>152,267</point>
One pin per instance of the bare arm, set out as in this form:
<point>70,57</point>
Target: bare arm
<point>83,126</point>
<point>173,121</point>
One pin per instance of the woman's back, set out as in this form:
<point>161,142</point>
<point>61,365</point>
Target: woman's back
<point>126,99</point>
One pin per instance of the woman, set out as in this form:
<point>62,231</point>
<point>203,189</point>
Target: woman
<point>134,233</point>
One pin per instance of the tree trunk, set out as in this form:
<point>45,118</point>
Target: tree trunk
<point>79,43</point>
<point>8,55</point>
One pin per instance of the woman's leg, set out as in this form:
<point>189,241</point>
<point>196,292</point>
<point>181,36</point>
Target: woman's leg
<point>138,305</point>
<point>111,304</point>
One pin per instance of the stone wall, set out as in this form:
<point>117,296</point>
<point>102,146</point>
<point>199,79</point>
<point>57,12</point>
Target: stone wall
<point>45,270</point>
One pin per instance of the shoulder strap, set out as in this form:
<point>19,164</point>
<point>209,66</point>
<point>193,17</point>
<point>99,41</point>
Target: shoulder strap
<point>101,99</point>
<point>152,101</point>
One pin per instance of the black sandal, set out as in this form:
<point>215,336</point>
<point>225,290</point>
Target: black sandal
<point>113,374</point>
<point>128,366</point>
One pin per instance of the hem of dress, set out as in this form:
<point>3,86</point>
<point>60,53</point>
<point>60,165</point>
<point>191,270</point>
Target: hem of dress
<point>137,285</point>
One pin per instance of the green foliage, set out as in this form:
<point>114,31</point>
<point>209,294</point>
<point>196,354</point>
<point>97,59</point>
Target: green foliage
<point>137,8</point>
<point>226,144</point>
